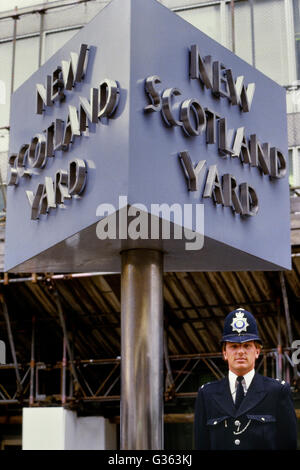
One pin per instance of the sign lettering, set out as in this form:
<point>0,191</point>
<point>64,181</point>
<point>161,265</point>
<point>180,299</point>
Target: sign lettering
<point>61,134</point>
<point>193,119</point>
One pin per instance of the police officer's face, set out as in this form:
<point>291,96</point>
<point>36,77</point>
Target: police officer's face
<point>241,356</point>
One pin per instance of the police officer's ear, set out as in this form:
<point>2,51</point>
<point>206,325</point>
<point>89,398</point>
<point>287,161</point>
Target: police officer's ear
<point>258,348</point>
<point>224,351</point>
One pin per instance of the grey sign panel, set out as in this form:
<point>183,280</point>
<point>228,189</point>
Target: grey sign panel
<point>176,124</point>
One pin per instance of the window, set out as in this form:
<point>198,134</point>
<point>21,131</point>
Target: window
<point>27,53</point>
<point>54,41</point>
<point>294,166</point>
<point>297,33</point>
<point>5,80</point>
<point>207,19</point>
<point>291,167</point>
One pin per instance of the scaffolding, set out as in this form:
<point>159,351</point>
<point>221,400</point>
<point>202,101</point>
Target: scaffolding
<point>77,385</point>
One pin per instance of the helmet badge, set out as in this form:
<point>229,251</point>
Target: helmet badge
<point>239,323</point>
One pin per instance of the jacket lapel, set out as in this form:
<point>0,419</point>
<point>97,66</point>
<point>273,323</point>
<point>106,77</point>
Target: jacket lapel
<point>254,395</point>
<point>223,397</point>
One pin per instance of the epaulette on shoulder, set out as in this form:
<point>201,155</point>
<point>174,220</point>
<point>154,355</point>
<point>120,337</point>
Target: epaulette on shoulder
<point>281,381</point>
<point>204,385</point>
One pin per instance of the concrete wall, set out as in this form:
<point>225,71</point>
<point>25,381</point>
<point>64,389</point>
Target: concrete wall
<point>60,429</point>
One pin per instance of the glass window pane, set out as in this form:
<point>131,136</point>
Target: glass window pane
<point>6,5</point>
<point>270,39</point>
<point>296,168</point>
<point>242,27</point>
<point>3,173</point>
<point>297,47</point>
<point>4,140</point>
<point>180,3</point>
<point>297,34</point>
<point>291,167</point>
<point>296,16</point>
<point>27,58</point>
<point>5,77</point>
<point>207,19</point>
<point>292,101</point>
<point>54,41</point>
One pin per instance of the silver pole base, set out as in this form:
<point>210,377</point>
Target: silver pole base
<point>142,350</point>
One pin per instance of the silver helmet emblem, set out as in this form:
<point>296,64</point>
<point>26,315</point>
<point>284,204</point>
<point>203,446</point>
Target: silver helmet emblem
<point>239,323</point>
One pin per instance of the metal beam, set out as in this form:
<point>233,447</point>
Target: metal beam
<point>13,60</point>
<point>232,25</point>
<point>64,277</point>
<point>42,16</point>
<point>252,32</point>
<point>11,343</point>
<point>60,397</point>
<point>45,7</point>
<point>63,372</point>
<point>203,4</point>
<point>32,364</point>
<point>187,375</point>
<point>77,385</point>
<point>286,308</point>
<point>169,380</point>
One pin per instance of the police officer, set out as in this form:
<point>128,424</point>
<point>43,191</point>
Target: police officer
<point>244,410</point>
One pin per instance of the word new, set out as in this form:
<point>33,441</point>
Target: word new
<point>216,77</point>
<point>60,134</point>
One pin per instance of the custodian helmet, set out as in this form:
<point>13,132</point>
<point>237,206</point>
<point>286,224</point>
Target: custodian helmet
<point>239,327</point>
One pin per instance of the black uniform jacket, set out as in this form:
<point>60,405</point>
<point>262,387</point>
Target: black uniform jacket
<point>266,418</point>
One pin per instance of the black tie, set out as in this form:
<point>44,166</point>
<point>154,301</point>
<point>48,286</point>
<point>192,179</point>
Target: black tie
<point>239,392</point>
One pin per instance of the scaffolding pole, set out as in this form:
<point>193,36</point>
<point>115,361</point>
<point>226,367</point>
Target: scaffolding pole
<point>32,364</point>
<point>287,318</point>
<point>77,385</point>
<point>12,344</point>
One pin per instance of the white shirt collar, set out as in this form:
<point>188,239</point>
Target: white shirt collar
<point>246,383</point>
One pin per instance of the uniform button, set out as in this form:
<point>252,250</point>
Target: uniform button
<point>237,442</point>
<point>237,423</point>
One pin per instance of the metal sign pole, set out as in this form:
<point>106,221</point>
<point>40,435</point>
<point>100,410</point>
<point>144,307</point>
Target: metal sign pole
<point>142,350</point>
